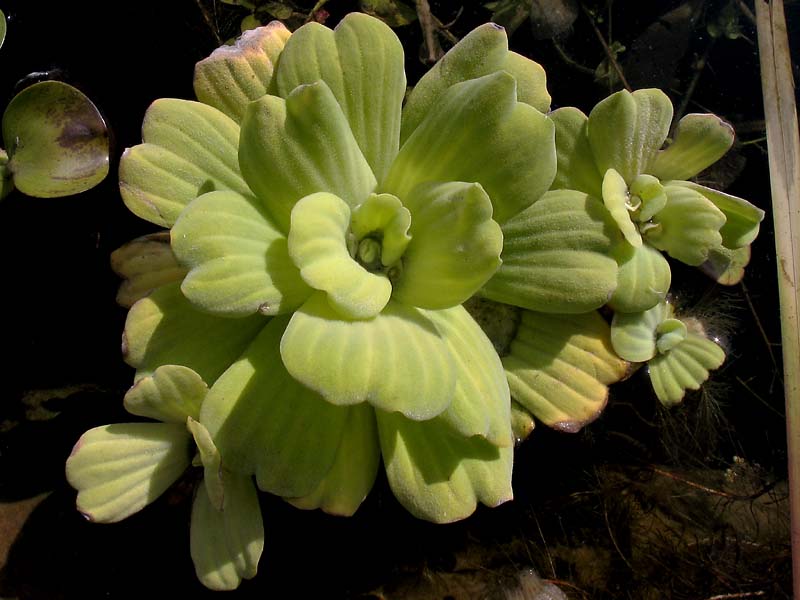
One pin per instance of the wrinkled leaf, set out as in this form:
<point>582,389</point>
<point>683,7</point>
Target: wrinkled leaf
<point>685,367</point>
<point>576,167</point>
<point>189,148</point>
<point>556,256</point>
<point>264,422</point>
<point>726,266</point>
<point>233,76</point>
<point>455,245</point>
<point>120,469</point>
<point>643,278</point>
<point>438,475</point>
<point>145,263</point>
<point>396,361</point>
<point>633,335</point>
<point>165,329</point>
<point>239,262</point>
<point>559,368</point>
<point>350,479</point>
<point>170,394</point>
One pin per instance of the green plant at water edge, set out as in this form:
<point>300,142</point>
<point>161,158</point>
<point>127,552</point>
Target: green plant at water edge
<point>304,317</point>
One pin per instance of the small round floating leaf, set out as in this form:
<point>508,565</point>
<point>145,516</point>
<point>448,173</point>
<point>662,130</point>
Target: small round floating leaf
<point>559,368</point>
<point>56,139</point>
<point>350,479</point>
<point>439,475</point>
<point>120,469</point>
<point>170,394</point>
<point>685,367</point>
<point>3,26</point>
<point>396,361</point>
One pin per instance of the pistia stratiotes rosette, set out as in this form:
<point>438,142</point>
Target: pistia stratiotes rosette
<point>323,237</point>
<point>616,154</point>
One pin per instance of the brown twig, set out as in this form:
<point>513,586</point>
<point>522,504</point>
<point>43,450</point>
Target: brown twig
<point>698,71</point>
<point>746,11</point>
<point>313,11</point>
<point>209,21</point>
<point>571,61</point>
<point>714,492</point>
<point>609,54</point>
<point>426,22</point>
<point>739,595</point>
<point>761,329</point>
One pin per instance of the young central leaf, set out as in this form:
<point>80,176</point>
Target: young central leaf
<point>318,246</point>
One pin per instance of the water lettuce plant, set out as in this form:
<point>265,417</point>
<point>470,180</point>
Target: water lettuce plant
<point>618,154</point>
<point>311,308</point>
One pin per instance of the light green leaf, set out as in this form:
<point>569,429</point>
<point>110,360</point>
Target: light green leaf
<point>362,63</point>
<point>238,260</point>
<point>437,474</point>
<point>56,139</point>
<point>188,148</point>
<point>318,246</point>
<point>170,394</point>
<point>165,329</point>
<point>670,333</point>
<point>233,76</point>
<point>120,469</point>
<point>211,461</point>
<point>687,227</point>
<point>478,132</point>
<point>556,256</point>
<point>627,129</point>
<point>685,367</point>
<point>643,278</point>
<point>577,169</point>
<point>725,266</point>
<point>700,141</point>
<point>648,195</point>
<point>396,361</point>
<point>455,245</point>
<point>291,149</point>
<point>3,25</point>
<point>145,263</point>
<point>741,218</point>
<point>264,422</point>
<point>559,368</point>
<point>6,176</point>
<point>616,199</point>
<point>350,479</point>
<point>481,402</point>
<point>633,335</point>
<point>226,545</point>
<point>483,51</point>
<point>522,422</point>
<point>383,215</point>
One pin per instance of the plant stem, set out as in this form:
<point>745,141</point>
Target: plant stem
<point>609,54</point>
<point>783,143</point>
<point>428,30</point>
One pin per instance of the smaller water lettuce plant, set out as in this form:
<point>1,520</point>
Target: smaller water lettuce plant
<point>678,353</point>
<point>618,154</point>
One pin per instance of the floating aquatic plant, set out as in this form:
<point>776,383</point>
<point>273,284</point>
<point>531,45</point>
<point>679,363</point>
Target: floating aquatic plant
<point>617,154</point>
<point>304,319</point>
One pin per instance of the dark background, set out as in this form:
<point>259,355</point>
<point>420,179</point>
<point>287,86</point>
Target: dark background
<point>61,329</point>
